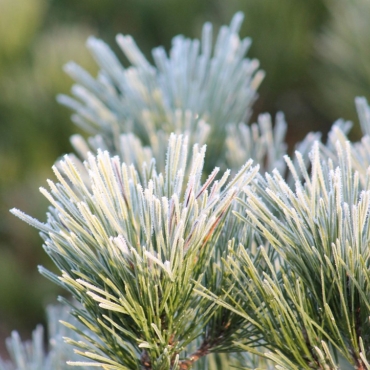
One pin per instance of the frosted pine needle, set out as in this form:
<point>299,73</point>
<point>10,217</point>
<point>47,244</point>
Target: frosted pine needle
<point>131,250</point>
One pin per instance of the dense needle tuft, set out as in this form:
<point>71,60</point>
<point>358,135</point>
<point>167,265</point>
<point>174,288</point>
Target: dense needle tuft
<point>130,248</point>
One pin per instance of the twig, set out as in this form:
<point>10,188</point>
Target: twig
<point>202,351</point>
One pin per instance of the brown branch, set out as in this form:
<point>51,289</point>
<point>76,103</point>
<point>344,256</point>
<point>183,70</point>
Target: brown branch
<point>202,351</point>
<point>145,361</point>
<point>360,365</point>
<point>186,364</point>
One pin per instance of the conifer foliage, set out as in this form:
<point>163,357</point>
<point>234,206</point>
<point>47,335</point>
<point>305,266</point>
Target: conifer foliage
<point>132,252</point>
<point>175,264</point>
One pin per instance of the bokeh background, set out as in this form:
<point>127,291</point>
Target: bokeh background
<point>316,55</point>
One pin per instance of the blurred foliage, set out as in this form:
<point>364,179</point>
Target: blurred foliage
<point>283,34</point>
<point>20,21</point>
<point>315,54</point>
<point>343,47</point>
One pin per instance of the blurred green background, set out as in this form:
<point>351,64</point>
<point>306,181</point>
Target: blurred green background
<point>316,55</point>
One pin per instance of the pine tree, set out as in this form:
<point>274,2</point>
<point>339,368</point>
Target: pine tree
<point>175,261</point>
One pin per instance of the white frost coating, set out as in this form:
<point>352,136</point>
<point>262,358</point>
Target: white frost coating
<point>196,89</point>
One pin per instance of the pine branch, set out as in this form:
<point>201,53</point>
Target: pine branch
<point>321,231</point>
<point>359,151</point>
<point>132,250</point>
<point>164,272</point>
<point>196,90</point>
